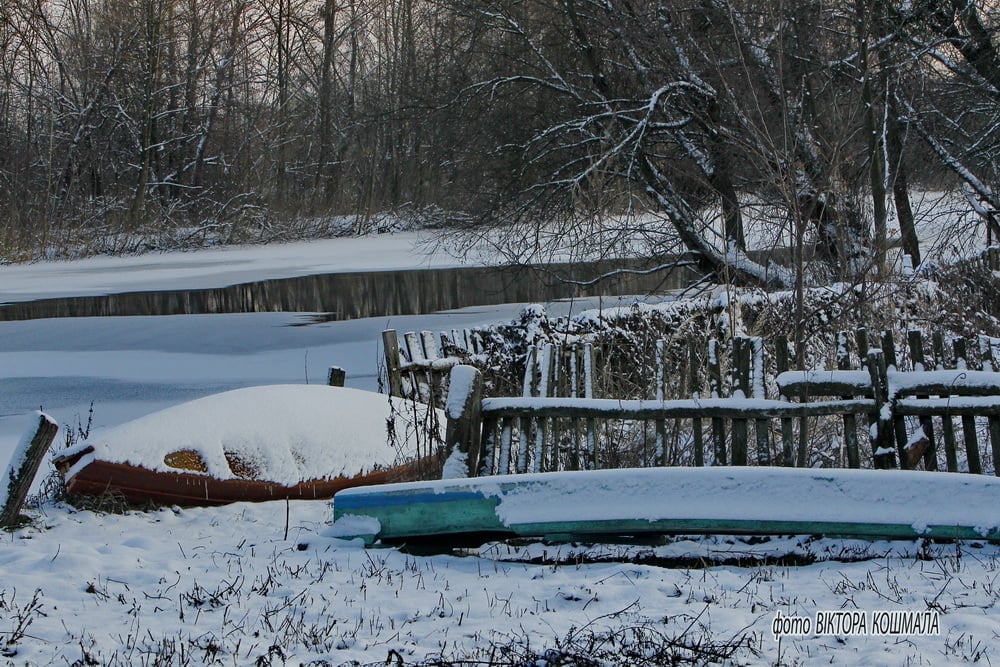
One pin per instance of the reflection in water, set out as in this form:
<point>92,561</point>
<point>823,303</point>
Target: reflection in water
<point>347,296</point>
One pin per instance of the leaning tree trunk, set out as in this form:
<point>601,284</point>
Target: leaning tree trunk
<point>731,265</point>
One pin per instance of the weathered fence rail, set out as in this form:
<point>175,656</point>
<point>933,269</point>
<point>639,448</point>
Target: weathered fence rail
<point>897,411</point>
<point>418,366</point>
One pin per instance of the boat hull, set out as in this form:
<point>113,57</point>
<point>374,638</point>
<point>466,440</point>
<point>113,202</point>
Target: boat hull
<point>139,485</point>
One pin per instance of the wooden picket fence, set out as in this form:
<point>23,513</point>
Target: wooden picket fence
<point>987,260</point>
<point>885,416</point>
<point>871,401</point>
<point>418,365</point>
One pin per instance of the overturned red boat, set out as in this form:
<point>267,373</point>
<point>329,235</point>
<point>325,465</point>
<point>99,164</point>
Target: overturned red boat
<point>257,444</point>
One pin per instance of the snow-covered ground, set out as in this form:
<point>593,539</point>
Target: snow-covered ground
<point>269,584</point>
<point>225,584</point>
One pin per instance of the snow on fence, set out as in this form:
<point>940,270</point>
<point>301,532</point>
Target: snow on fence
<point>539,431</point>
<point>557,426</point>
<point>418,366</point>
<point>988,260</point>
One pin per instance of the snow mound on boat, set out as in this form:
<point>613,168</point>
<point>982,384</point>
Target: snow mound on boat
<point>281,433</point>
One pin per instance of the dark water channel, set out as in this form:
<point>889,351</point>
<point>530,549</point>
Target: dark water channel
<point>344,296</point>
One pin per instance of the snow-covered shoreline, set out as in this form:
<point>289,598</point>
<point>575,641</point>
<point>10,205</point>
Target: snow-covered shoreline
<point>218,267</point>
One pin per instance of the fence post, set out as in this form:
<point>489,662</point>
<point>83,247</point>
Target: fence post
<point>660,395</point>
<point>850,421</point>
<point>464,431</point>
<point>861,338</point>
<point>694,387</point>
<point>968,421</point>
<point>882,440</point>
<point>762,427</point>
<point>22,469</point>
<point>545,363</point>
<point>947,425</point>
<point>989,363</point>
<point>787,426</point>
<point>336,377</point>
<point>390,345</point>
<point>419,377</point>
<point>740,372</point>
<point>916,342</point>
<point>898,423</point>
<point>715,391</point>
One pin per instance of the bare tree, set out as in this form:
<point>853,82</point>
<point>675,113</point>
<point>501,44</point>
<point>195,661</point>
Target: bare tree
<point>689,109</point>
<point>954,106</point>
<point>708,128</point>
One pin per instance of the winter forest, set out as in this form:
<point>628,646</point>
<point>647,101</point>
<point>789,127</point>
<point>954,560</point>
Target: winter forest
<point>130,125</point>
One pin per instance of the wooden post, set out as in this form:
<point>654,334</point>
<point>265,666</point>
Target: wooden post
<point>506,438</point>
<point>530,363</point>
<point>465,425</point>
<point>916,342</point>
<point>696,423</point>
<point>994,425</point>
<point>390,347</point>
<point>419,386</point>
<point>762,427</point>
<point>557,387</point>
<point>428,342</point>
<point>882,449</point>
<point>336,377</point>
<point>541,423</point>
<point>787,425</point>
<point>898,423</point>
<point>741,383</point>
<point>715,391</point>
<point>947,426</point>
<point>575,373</point>
<point>588,392</point>
<point>986,352</point>
<point>23,466</point>
<point>850,421</point>
<point>968,421</point>
<point>861,338</point>
<point>431,351</point>
<point>660,395</point>
<point>488,449</point>
<point>413,346</point>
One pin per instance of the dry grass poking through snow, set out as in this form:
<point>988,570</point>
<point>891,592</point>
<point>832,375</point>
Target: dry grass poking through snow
<point>221,586</point>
